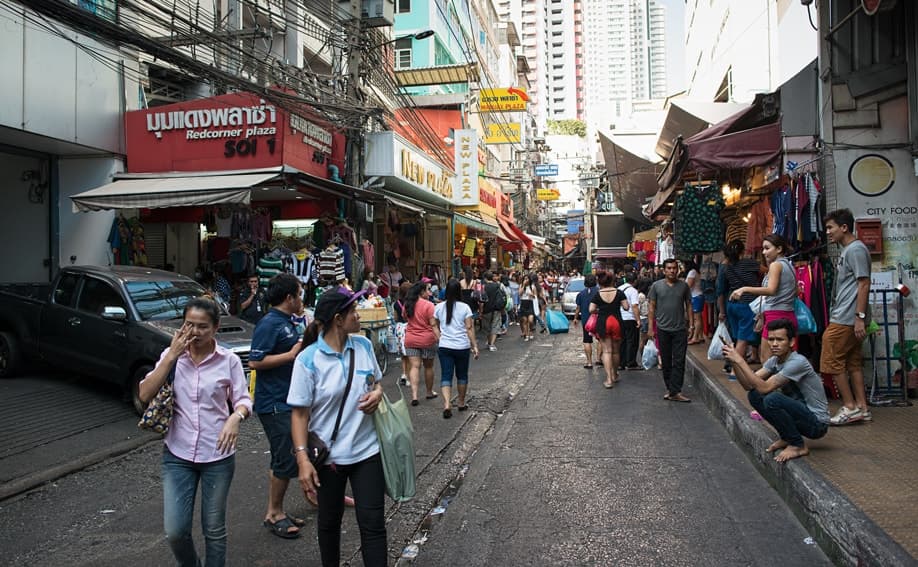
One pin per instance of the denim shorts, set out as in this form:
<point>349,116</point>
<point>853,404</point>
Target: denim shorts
<point>277,430</point>
<point>697,303</point>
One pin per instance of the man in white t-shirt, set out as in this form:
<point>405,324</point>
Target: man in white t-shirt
<point>630,320</point>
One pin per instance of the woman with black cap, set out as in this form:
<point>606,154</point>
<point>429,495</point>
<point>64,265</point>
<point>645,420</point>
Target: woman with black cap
<point>337,373</point>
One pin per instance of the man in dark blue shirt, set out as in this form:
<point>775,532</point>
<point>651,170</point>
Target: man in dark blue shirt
<point>275,345</point>
<point>583,311</point>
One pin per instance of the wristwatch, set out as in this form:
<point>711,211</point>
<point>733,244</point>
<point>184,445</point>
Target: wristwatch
<point>861,315</point>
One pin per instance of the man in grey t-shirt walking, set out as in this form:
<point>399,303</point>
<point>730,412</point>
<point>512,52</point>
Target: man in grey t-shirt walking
<point>841,342</point>
<point>786,391</point>
<point>669,316</point>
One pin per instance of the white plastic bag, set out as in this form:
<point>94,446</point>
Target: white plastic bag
<point>716,350</point>
<point>649,358</point>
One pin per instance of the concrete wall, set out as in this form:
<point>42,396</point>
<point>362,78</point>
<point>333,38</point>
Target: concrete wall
<point>24,224</point>
<point>84,235</point>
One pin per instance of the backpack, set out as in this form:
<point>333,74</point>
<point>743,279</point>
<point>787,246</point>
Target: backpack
<point>497,299</point>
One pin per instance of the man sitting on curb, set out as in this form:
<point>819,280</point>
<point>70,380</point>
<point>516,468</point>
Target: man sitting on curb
<point>800,408</point>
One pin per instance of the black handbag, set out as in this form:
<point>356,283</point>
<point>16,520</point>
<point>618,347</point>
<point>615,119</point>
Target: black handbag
<point>316,449</point>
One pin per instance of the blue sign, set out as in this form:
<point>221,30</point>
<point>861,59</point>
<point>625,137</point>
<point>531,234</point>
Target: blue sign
<point>574,221</point>
<point>546,169</point>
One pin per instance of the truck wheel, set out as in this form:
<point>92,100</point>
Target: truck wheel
<point>134,388</point>
<point>9,355</point>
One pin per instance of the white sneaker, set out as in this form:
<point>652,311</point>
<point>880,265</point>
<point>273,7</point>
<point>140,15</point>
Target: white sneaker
<point>403,381</point>
<point>865,415</point>
<point>846,416</point>
<point>492,348</point>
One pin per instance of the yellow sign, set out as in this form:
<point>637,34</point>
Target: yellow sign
<point>503,133</point>
<point>548,194</point>
<point>510,99</point>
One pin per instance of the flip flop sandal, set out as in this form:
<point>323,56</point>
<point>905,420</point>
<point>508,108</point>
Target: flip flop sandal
<point>298,522</point>
<point>463,408</point>
<point>588,366</point>
<point>431,396</point>
<point>281,528</point>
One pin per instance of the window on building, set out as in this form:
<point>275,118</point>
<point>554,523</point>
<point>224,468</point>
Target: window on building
<point>403,53</point>
<point>404,6</point>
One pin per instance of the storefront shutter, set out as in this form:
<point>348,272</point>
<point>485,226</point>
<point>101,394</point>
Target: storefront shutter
<point>154,235</point>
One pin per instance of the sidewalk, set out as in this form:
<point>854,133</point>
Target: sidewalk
<point>857,491</point>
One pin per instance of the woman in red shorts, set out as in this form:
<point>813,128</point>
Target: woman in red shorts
<point>608,304</point>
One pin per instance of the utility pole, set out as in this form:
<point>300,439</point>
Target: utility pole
<point>355,93</point>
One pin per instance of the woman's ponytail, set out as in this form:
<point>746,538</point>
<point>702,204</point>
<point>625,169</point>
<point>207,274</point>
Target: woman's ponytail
<point>312,332</point>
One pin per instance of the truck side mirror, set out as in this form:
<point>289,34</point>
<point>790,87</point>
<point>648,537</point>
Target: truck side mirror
<point>114,313</point>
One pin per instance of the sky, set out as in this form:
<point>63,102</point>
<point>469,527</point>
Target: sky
<point>675,40</point>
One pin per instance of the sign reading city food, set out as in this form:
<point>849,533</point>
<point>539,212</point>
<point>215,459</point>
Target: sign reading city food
<point>507,133</point>
<point>511,99</point>
<point>548,194</point>
<point>546,169</point>
<point>465,145</point>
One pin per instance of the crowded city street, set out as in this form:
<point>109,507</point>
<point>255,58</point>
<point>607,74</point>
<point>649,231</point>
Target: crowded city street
<point>546,468</point>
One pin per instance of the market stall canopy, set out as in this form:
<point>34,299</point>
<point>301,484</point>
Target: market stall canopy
<point>513,238</point>
<point>632,167</point>
<point>688,117</point>
<point>749,138</point>
<point>145,192</point>
<point>481,223</point>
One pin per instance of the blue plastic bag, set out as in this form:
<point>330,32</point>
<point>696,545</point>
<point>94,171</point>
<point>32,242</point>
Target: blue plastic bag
<point>806,323</point>
<point>556,321</point>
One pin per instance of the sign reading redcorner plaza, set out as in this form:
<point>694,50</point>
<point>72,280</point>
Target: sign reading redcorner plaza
<point>510,99</point>
<point>228,132</point>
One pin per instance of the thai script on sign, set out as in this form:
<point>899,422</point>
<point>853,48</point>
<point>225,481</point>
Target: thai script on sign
<point>312,134</point>
<point>202,123</point>
<point>438,182</point>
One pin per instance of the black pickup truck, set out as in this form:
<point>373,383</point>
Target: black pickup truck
<point>110,323</point>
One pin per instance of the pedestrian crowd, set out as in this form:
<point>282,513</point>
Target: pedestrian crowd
<point>318,375</point>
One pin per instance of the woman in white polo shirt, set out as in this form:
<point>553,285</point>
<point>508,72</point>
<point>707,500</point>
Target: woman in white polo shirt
<point>317,391</point>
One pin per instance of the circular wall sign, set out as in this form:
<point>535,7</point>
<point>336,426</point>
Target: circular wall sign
<point>871,175</point>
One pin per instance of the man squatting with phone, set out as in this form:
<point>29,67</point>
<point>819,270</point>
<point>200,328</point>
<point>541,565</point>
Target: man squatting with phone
<point>786,391</point>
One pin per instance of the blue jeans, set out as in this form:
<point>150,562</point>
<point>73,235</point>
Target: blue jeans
<point>454,360</point>
<point>791,418</point>
<point>180,484</point>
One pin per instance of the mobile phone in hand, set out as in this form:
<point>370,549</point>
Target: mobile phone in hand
<point>725,340</point>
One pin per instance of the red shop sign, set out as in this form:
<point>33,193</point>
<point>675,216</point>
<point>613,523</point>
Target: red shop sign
<point>228,132</point>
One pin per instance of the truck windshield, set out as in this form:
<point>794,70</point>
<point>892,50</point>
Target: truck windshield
<point>162,299</point>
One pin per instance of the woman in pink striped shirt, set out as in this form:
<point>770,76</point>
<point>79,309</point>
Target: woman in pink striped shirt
<point>200,445</point>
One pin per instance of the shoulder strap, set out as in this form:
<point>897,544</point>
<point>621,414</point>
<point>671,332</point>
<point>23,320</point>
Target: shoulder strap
<point>347,389</point>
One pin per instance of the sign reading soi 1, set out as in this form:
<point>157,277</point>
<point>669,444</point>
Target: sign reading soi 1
<point>546,169</point>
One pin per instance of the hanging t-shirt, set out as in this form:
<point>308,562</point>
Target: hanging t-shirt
<point>698,227</point>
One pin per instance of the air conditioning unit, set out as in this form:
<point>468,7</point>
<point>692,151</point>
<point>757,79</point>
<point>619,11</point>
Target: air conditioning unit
<point>374,13</point>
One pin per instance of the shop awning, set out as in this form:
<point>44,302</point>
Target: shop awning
<point>632,168</point>
<point>404,205</point>
<point>513,237</point>
<point>477,224</point>
<point>688,117</point>
<point>749,138</point>
<point>171,191</point>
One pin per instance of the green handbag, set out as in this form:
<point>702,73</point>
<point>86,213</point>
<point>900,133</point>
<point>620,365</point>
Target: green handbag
<point>396,447</point>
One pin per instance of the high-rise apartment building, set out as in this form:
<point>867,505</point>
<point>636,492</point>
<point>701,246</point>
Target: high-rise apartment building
<point>624,57</point>
<point>552,42</point>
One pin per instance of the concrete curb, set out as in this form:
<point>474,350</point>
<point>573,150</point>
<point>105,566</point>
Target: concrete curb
<point>846,534</point>
<point>30,481</point>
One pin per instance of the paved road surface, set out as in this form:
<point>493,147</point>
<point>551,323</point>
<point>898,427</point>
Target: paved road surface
<point>567,473</point>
